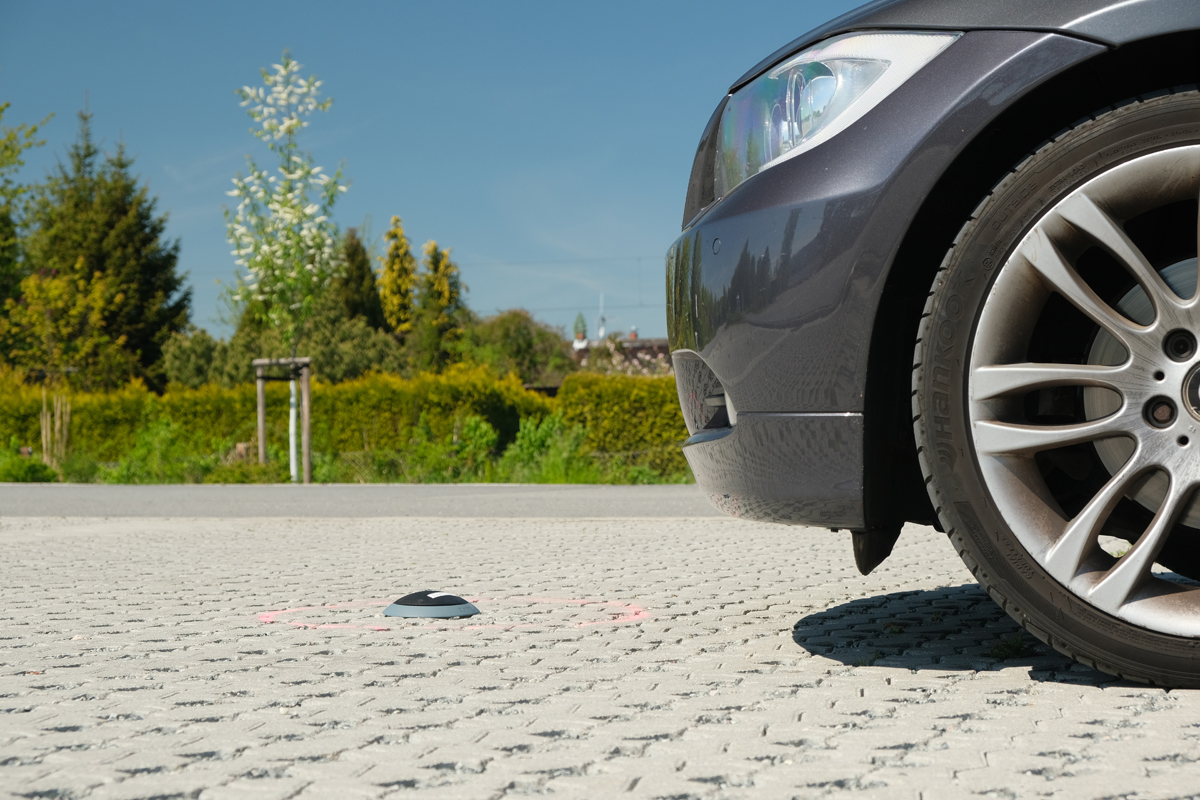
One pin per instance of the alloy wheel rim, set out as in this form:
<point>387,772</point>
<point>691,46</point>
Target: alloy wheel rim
<point>1139,414</point>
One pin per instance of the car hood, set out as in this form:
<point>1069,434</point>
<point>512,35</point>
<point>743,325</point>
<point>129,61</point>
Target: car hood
<point>1110,22</point>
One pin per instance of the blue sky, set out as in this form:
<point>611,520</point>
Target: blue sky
<point>548,144</point>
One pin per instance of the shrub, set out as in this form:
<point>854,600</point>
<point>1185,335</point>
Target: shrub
<point>461,425</point>
<point>376,412</point>
<point>550,451</point>
<point>635,421</point>
<point>547,451</point>
<point>188,357</point>
<point>159,455</point>
<point>466,454</point>
<point>381,412</point>
<point>274,471</point>
<point>513,341</point>
<point>16,468</point>
<point>104,424</point>
<point>461,455</point>
<point>79,468</point>
<point>341,347</point>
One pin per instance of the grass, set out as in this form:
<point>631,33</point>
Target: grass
<point>1015,646</point>
<point>870,660</point>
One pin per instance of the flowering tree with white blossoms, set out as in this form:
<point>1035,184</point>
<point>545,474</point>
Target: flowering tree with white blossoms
<point>281,231</point>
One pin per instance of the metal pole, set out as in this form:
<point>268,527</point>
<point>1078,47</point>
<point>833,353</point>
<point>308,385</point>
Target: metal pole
<point>262,415</point>
<point>293,467</point>
<point>305,422</point>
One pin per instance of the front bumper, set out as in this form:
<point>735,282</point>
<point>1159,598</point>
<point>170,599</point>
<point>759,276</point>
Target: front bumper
<point>752,470</point>
<point>772,293</point>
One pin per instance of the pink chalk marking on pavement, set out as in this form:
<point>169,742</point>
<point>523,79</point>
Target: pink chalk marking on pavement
<point>269,616</point>
<point>626,614</point>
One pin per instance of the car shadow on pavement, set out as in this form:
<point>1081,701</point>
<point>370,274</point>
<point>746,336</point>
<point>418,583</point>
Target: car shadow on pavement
<point>953,628</point>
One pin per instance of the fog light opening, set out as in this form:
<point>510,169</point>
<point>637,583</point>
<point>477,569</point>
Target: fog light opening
<point>726,414</point>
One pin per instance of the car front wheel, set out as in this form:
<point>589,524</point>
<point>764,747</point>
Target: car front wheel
<point>1056,392</point>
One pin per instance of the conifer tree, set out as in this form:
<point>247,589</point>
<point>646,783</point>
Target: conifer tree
<point>11,268</point>
<point>397,286</point>
<point>440,310</point>
<point>441,287</point>
<point>356,285</point>
<point>93,223</point>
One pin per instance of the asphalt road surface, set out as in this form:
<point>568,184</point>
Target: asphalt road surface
<point>615,656</point>
<point>505,501</point>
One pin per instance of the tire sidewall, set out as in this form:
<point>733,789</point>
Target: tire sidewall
<point>957,487</point>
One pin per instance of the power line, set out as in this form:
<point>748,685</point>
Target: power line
<point>204,270</point>
<point>582,306</point>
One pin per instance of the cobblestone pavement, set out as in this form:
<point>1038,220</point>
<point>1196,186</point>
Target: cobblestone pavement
<point>641,658</point>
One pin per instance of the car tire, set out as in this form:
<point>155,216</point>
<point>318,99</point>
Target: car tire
<point>1040,443</point>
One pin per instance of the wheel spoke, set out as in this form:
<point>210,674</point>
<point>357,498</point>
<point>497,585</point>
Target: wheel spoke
<point>1085,215</point>
<point>988,382</point>
<point>1043,256</point>
<point>1077,325</point>
<point>1062,560</point>
<point>1006,438</point>
<point>1133,568</point>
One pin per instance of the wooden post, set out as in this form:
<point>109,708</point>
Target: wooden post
<point>298,368</point>
<point>305,418</point>
<point>262,414</point>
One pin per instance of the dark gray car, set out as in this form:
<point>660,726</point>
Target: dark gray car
<point>938,265</point>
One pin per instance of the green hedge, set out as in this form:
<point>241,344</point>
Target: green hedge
<point>634,419</point>
<point>629,417</point>
<point>377,412</point>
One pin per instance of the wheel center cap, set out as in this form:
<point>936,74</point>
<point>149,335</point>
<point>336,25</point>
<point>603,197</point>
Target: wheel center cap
<point>1191,392</point>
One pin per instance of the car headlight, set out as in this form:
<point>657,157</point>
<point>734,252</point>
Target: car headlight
<point>811,97</point>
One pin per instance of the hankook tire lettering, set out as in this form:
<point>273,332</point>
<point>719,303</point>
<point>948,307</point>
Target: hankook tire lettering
<point>1023,479</point>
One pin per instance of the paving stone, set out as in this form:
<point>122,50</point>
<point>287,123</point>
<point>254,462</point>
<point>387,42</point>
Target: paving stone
<point>648,658</point>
